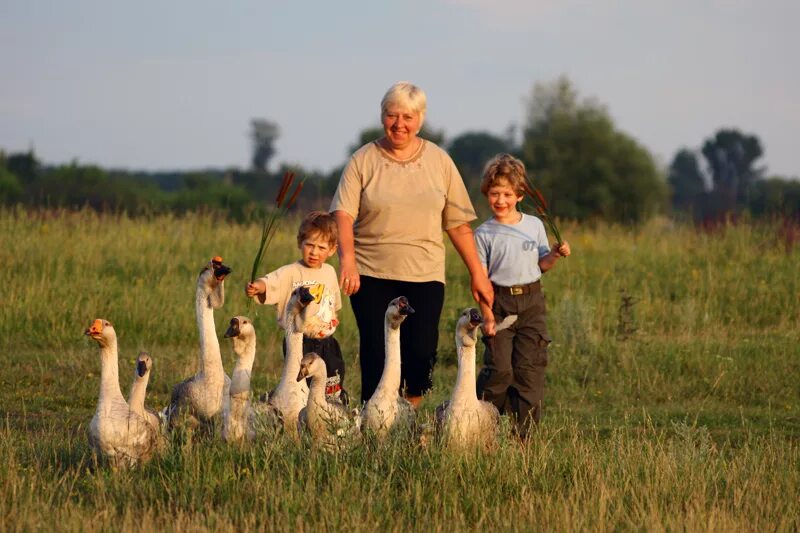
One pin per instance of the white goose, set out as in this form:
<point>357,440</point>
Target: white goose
<point>328,422</point>
<point>386,410</point>
<point>237,414</point>
<point>465,421</point>
<point>116,432</point>
<point>141,377</point>
<point>200,397</point>
<point>290,396</point>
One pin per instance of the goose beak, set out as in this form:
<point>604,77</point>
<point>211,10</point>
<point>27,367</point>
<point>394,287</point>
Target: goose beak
<point>303,373</point>
<point>405,307</point>
<point>305,296</point>
<point>475,318</point>
<point>233,329</point>
<point>141,368</point>
<point>95,329</point>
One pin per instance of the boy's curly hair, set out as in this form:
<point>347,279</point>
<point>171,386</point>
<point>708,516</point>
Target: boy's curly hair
<point>318,223</point>
<point>504,169</point>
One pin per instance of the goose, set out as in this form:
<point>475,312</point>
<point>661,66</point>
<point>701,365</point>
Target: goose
<point>290,396</point>
<point>386,409</point>
<point>141,377</point>
<point>199,398</point>
<point>465,421</point>
<point>237,414</point>
<point>116,431</point>
<point>327,421</point>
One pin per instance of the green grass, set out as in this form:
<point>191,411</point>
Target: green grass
<point>691,421</point>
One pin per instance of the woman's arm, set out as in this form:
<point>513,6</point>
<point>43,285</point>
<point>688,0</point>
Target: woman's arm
<point>464,243</point>
<point>349,278</point>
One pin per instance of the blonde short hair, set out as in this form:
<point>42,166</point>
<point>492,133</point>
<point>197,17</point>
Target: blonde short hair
<point>318,223</point>
<point>405,95</point>
<point>504,169</point>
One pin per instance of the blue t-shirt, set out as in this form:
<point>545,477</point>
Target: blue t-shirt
<point>511,252</point>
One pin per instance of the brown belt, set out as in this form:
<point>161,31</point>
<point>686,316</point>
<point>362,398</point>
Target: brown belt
<point>516,290</point>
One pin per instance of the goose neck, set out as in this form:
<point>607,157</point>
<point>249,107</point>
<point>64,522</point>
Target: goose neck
<point>465,387</point>
<point>109,373</point>
<point>138,392</point>
<point>390,379</point>
<point>240,379</point>
<point>210,356</point>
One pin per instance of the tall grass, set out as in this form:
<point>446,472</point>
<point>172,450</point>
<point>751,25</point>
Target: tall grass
<point>690,422</point>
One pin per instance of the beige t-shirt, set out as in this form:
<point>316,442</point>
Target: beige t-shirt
<point>323,284</point>
<point>400,210</point>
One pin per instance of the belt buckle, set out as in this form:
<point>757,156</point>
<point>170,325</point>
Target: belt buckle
<point>515,291</point>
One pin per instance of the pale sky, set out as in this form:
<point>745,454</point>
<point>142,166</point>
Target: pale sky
<point>173,85</point>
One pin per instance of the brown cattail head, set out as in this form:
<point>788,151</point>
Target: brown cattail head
<point>295,194</point>
<point>288,177</point>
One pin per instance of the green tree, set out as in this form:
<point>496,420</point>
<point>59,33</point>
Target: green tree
<point>470,152</point>
<point>731,156</point>
<point>583,164</point>
<point>686,180</point>
<point>263,134</point>
<point>10,187</point>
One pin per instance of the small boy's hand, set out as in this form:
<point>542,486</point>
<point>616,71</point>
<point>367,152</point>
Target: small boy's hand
<point>562,250</point>
<point>255,288</point>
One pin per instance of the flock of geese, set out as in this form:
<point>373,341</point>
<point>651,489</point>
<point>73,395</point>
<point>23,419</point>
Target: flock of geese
<point>126,432</point>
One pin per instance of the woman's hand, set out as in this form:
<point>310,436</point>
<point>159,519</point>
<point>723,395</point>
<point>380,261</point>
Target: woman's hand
<point>349,278</point>
<point>482,289</point>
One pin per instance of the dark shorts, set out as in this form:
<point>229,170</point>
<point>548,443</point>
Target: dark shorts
<point>419,334</point>
<point>330,352</point>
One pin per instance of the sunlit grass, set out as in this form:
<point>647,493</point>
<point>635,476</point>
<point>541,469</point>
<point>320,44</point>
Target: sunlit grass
<point>689,422</point>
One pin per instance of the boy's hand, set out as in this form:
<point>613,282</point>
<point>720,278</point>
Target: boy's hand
<point>255,288</point>
<point>562,250</point>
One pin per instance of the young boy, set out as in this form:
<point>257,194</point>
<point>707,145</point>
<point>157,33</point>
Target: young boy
<point>316,239</point>
<point>513,248</point>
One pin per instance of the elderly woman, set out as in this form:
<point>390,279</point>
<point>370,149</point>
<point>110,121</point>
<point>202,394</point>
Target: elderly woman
<point>395,197</point>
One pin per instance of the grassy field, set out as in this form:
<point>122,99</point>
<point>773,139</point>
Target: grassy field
<point>673,398</point>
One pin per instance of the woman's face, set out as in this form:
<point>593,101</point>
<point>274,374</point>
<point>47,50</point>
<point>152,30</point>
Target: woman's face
<point>400,125</point>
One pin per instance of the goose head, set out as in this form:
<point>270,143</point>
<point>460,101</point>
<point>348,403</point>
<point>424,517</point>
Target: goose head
<point>298,302</point>
<point>143,364</point>
<point>398,310</point>
<point>467,327</point>
<point>211,280</point>
<point>102,332</point>
<point>241,331</point>
<point>311,365</point>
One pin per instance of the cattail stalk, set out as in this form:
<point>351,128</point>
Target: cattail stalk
<point>271,222</point>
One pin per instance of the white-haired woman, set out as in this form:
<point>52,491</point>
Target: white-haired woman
<point>395,197</point>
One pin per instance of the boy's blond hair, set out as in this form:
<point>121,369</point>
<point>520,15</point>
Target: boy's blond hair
<point>318,223</point>
<point>504,169</point>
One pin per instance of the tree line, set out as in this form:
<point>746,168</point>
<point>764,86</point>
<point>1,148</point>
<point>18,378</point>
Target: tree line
<point>584,165</point>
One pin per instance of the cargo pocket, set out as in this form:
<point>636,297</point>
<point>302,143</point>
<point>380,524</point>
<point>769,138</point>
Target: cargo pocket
<point>540,350</point>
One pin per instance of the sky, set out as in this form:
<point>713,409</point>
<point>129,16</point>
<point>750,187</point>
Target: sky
<point>173,85</point>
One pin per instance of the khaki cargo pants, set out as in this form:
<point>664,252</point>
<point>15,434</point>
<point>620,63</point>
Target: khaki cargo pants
<point>515,359</point>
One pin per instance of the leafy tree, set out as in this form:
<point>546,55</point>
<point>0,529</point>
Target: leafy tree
<point>263,134</point>
<point>775,196</point>
<point>10,187</point>
<point>583,163</point>
<point>731,155</point>
<point>24,165</point>
<point>470,152</point>
<point>686,180</point>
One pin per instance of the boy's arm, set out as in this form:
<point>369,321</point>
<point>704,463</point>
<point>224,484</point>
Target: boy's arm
<point>548,261</point>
